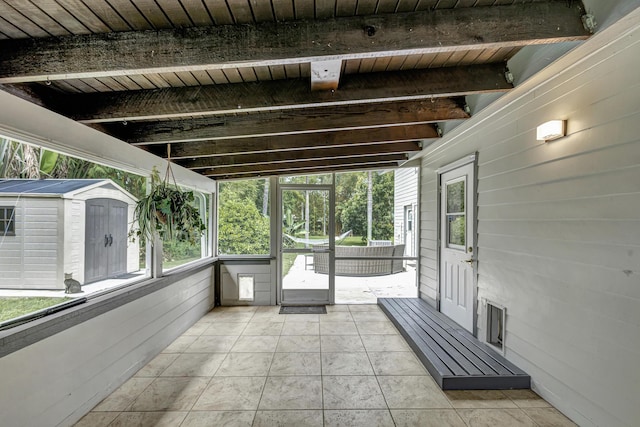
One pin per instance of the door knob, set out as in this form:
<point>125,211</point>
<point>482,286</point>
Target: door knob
<point>469,261</point>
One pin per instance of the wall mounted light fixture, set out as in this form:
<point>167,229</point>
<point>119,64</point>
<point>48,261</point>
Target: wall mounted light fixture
<point>551,130</point>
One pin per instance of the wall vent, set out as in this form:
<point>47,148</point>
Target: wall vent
<point>496,317</point>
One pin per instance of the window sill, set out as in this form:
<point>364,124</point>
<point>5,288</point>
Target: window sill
<point>188,266</point>
<point>245,257</point>
<point>23,335</point>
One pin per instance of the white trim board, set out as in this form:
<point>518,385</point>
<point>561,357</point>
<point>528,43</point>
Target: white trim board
<point>30,123</point>
<point>626,27</point>
<point>454,165</point>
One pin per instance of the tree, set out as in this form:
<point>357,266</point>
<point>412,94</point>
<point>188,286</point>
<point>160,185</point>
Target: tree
<point>346,185</point>
<point>19,160</point>
<point>353,212</point>
<point>242,230</point>
<point>383,206</point>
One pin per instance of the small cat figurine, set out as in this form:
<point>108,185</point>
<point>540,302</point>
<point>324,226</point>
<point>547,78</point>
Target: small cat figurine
<point>71,286</point>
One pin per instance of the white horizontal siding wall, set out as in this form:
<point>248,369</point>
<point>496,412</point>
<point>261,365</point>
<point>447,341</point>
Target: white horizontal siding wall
<point>405,194</point>
<point>54,382</point>
<point>559,228</point>
<point>43,242</point>
<point>264,285</point>
<point>133,248</point>
<point>74,232</point>
<point>428,281</point>
<point>11,249</point>
<point>29,260</point>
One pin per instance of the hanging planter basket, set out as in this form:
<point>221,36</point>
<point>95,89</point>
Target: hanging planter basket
<point>167,211</point>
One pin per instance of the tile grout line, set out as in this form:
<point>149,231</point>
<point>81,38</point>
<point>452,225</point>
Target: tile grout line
<point>210,378</point>
<point>376,377</point>
<point>321,376</point>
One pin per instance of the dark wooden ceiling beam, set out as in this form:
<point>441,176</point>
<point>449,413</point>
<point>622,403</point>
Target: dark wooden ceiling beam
<point>32,94</point>
<point>199,48</point>
<point>319,119</point>
<point>341,168</point>
<point>309,141</point>
<point>282,94</point>
<point>296,166</point>
<point>301,155</point>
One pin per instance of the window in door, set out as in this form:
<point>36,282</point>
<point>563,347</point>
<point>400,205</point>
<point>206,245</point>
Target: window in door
<point>455,213</point>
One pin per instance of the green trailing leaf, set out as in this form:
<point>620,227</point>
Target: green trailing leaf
<point>48,160</point>
<point>5,155</point>
<point>167,211</point>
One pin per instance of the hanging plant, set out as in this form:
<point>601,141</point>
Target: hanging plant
<point>167,211</point>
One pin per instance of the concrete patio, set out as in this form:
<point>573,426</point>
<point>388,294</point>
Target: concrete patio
<point>353,290</point>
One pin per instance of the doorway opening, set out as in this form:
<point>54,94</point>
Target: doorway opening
<point>345,239</point>
<point>458,289</point>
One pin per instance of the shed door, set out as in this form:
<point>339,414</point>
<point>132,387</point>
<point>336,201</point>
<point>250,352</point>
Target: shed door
<point>105,239</point>
<point>118,238</point>
<point>97,227</point>
<point>457,263</point>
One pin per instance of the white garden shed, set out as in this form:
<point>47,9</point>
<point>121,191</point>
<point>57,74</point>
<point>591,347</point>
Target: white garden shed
<point>50,227</point>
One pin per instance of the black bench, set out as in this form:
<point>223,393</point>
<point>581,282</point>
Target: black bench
<point>454,357</point>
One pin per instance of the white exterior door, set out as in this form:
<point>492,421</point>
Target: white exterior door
<point>457,260</point>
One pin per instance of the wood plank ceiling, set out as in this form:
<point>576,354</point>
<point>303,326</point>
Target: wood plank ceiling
<point>245,88</point>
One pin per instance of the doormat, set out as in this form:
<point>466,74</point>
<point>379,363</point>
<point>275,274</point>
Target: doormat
<point>303,309</point>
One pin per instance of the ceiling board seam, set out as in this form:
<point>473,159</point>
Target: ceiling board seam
<point>59,23</point>
<point>19,12</point>
<point>186,12</point>
<point>95,15</point>
<point>164,13</point>
<point>119,15</point>
<point>9,24</point>
<point>135,6</point>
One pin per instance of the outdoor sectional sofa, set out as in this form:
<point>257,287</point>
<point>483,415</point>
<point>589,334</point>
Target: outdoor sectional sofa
<point>361,267</point>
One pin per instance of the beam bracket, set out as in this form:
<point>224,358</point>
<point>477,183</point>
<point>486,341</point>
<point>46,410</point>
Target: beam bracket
<point>325,75</point>
<point>589,22</point>
<point>508,76</point>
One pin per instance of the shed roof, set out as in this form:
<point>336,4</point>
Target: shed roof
<point>44,186</point>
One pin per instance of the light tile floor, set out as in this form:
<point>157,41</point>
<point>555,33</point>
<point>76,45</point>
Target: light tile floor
<point>250,366</point>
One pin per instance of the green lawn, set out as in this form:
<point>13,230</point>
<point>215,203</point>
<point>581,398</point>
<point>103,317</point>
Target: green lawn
<point>11,307</point>
<point>353,241</point>
<point>287,262</point>
<point>347,241</point>
<point>170,264</point>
